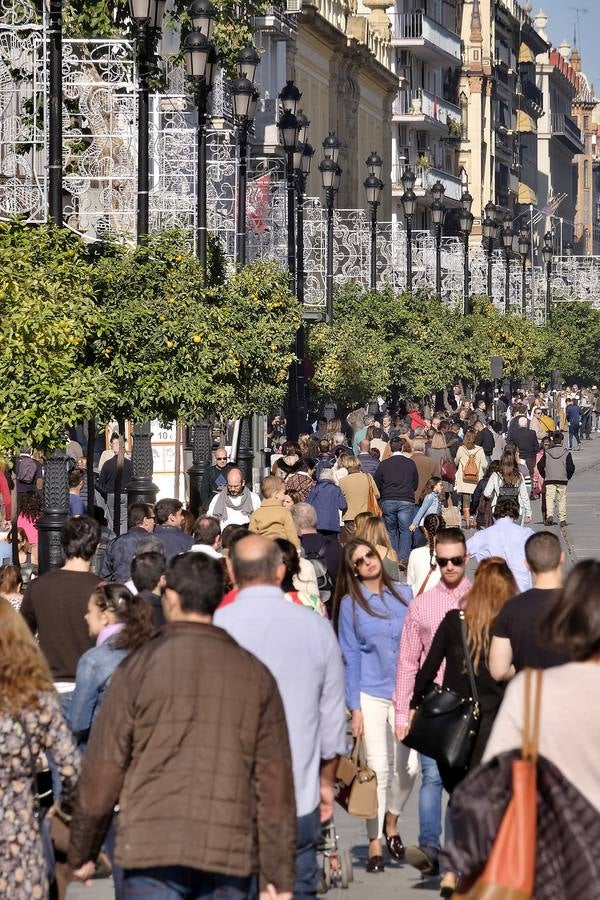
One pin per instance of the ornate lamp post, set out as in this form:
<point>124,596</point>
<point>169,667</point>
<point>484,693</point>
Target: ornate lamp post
<point>330,178</point>
<point>548,253</point>
<point>373,186</point>
<point>55,133</point>
<point>244,107</point>
<point>438,215</point>
<point>466,226</point>
<point>147,15</point>
<point>569,249</point>
<point>489,235</point>
<point>289,128</point>
<point>409,204</point>
<point>524,245</point>
<point>507,242</point>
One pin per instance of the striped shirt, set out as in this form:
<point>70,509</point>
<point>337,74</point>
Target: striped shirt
<point>423,619</point>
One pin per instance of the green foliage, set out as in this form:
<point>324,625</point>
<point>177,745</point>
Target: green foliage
<point>46,307</point>
<point>350,361</point>
<point>572,339</point>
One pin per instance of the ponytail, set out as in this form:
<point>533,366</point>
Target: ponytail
<point>130,610</point>
<point>432,524</point>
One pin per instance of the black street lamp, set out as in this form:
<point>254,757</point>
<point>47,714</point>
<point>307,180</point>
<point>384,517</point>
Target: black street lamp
<point>288,132</point>
<point>203,16</point>
<point>507,242</point>
<point>373,186</point>
<point>147,15</point>
<point>332,146</point>
<point>201,63</point>
<point>54,513</point>
<point>524,245</point>
<point>55,128</point>
<point>244,106</point>
<point>330,178</point>
<point>302,173</point>
<point>466,226</point>
<point>438,215</point>
<point>548,253</point>
<point>489,228</point>
<point>409,203</point>
<point>569,249</point>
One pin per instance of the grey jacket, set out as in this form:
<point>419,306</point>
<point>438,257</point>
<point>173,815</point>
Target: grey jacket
<point>556,465</point>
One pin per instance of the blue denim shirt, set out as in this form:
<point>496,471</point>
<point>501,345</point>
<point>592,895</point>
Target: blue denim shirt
<point>431,504</point>
<point>94,671</point>
<point>370,644</point>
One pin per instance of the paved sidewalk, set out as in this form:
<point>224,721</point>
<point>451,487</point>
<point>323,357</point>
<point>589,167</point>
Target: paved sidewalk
<point>582,540</point>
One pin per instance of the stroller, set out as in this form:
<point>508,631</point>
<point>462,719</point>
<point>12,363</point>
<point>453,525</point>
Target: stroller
<point>337,864</point>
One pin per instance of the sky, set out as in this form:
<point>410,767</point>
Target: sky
<point>561,22</point>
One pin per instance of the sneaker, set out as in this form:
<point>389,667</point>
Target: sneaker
<point>425,859</point>
<point>549,522</point>
<point>563,523</point>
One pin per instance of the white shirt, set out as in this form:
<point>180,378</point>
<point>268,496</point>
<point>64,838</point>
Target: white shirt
<point>206,548</point>
<point>418,568</point>
<point>233,516</point>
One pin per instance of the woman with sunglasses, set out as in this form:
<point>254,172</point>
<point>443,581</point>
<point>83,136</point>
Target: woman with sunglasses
<point>492,587</point>
<point>368,614</point>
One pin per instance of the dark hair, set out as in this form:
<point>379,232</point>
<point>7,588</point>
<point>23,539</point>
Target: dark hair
<point>80,537</point>
<point>10,579</point>
<point>396,445</point>
<point>147,569</point>
<point>572,624</point>
<point>114,437</point>
<point>29,504</point>
<point>189,520</point>
<point>231,534</point>
<point>347,583</point>
<point>75,478</point>
<point>132,610</point>
<point>165,508</point>
<point>432,524</point>
<point>496,426</point>
<point>137,512</point>
<point>509,470</point>
<point>435,479</point>
<point>374,452</point>
<point>450,536</point>
<point>557,438</point>
<point>324,446</point>
<point>376,434</point>
<point>206,530</point>
<point>291,562</point>
<point>469,439</point>
<point>506,507</point>
<point>198,580</point>
<point>543,552</point>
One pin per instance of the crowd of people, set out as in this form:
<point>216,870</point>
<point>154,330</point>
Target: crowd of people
<point>189,690</point>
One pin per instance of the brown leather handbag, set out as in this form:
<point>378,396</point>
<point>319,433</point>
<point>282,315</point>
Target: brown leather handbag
<point>509,873</point>
<point>372,504</point>
<point>356,785</point>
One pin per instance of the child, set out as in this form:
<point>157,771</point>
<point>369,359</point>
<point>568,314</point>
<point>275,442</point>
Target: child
<point>431,501</point>
<point>271,518</point>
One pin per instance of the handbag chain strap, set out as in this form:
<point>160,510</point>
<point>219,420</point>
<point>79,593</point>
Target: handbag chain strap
<point>468,660</point>
<point>531,723</point>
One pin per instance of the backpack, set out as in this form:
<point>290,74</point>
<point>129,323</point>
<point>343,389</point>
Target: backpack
<point>509,490</point>
<point>471,470</point>
<point>324,579</point>
<point>26,469</point>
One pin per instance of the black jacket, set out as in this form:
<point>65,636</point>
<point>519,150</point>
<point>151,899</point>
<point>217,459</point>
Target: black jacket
<point>107,478</point>
<point>397,479</point>
<point>173,540</point>
<point>485,440</point>
<point>527,442</point>
<point>116,561</point>
<point>208,486</point>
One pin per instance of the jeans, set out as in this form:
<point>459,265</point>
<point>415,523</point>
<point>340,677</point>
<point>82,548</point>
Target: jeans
<point>183,883</point>
<point>398,516</point>
<point>308,835</point>
<point>574,433</point>
<point>430,803</point>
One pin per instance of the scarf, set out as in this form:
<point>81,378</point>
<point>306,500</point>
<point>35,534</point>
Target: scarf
<point>224,502</point>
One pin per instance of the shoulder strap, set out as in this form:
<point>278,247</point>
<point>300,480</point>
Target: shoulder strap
<point>468,660</point>
<point>531,722</point>
<point>424,585</point>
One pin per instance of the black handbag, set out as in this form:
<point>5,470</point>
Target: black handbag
<point>43,791</point>
<point>445,724</point>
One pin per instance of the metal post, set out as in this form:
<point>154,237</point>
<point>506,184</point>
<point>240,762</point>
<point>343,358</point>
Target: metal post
<point>91,446</point>
<point>291,221</point>
<point>245,454</point>
<point>143,189</point>
<point>329,291</point>
<point>241,206</point>
<point>507,282</point>
<point>524,287</point>
<point>438,261</point>
<point>490,250</point>
<point>55,162</point>
<point>301,411</point>
<point>409,272</point>
<point>141,488</point>
<point>54,513</point>
<point>201,102</point>
<point>548,295</point>
<point>466,276</point>
<point>201,452</point>
<point>373,282</point>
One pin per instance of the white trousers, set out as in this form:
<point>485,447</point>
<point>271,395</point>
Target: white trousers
<point>388,758</point>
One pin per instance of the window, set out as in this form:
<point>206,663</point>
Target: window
<point>463,102</point>
<point>586,174</point>
<point>586,123</point>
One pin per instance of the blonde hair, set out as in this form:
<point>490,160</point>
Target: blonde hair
<point>270,485</point>
<point>24,672</point>
<point>372,529</point>
<point>349,462</point>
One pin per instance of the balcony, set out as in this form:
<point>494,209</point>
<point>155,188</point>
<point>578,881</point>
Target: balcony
<point>424,109</point>
<point>425,38</point>
<point>566,131</point>
<point>277,23</point>
<point>532,93</point>
<point>425,179</point>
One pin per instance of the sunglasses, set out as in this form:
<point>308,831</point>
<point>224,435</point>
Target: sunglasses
<point>361,559</point>
<point>442,561</point>
<point>221,458</point>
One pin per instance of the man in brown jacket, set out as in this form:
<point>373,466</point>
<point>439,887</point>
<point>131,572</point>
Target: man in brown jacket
<point>191,741</point>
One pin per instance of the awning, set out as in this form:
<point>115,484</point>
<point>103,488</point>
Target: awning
<point>526,124</point>
<point>526,195</point>
<point>526,54</point>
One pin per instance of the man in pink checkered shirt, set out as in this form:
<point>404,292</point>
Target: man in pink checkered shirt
<point>423,618</point>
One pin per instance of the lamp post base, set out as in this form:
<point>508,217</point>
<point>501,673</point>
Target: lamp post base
<point>54,514</point>
<point>201,450</point>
